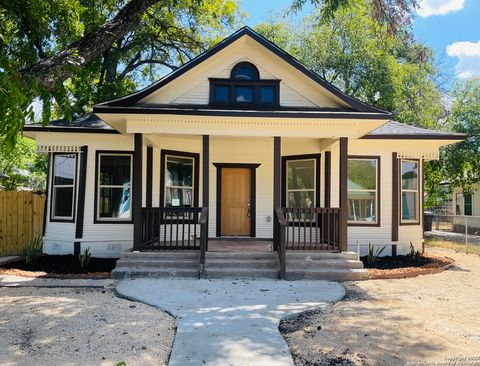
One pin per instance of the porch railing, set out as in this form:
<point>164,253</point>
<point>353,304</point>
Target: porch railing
<point>175,228</point>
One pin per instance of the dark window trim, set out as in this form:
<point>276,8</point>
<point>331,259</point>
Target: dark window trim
<point>97,165</point>
<point>379,190</point>
<point>328,178</point>
<point>75,185</point>
<point>47,194</point>
<point>196,173</point>
<point>420,173</point>
<point>243,64</point>
<point>256,84</point>
<point>253,196</point>
<point>317,158</point>
<point>149,177</point>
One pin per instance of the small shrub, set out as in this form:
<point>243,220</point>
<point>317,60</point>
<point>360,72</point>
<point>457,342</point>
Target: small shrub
<point>84,258</point>
<point>414,254</point>
<point>34,250</point>
<point>373,253</point>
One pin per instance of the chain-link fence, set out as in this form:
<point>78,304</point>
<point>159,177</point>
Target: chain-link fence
<point>458,228</point>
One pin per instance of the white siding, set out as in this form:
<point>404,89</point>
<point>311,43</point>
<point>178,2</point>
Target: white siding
<point>199,93</point>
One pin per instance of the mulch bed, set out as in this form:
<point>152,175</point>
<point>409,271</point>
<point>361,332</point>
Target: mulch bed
<point>402,266</point>
<point>60,266</point>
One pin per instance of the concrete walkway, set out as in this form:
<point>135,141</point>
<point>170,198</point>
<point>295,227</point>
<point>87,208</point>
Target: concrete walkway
<point>230,322</point>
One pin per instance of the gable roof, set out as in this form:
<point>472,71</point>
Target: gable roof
<point>401,131</point>
<point>130,101</point>
<point>86,123</point>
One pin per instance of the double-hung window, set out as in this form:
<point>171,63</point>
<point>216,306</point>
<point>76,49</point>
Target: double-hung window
<point>114,187</point>
<point>301,183</point>
<point>63,187</point>
<point>409,191</point>
<point>363,188</point>
<point>179,173</point>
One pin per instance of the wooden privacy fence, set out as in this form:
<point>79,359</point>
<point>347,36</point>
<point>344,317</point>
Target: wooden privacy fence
<point>21,220</point>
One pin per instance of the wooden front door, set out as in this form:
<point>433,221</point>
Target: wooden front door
<point>236,201</point>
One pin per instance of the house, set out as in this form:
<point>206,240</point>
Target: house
<point>242,142</point>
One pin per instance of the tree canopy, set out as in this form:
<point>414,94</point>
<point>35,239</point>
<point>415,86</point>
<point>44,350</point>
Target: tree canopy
<point>65,55</point>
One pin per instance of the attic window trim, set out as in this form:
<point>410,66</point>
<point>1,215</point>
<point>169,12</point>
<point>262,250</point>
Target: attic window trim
<point>255,84</point>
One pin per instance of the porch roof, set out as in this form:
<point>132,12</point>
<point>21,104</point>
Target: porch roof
<point>91,123</point>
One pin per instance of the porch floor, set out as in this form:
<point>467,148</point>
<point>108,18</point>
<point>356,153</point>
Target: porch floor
<point>232,245</point>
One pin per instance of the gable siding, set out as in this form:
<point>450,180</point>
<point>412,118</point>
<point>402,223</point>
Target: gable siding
<point>199,94</point>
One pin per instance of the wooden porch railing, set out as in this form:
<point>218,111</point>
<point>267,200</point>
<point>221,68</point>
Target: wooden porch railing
<point>174,228</point>
<point>306,229</point>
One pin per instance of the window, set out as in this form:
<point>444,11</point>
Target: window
<point>363,188</point>
<point>409,190</point>
<point>114,187</point>
<point>467,204</point>
<point>179,181</point>
<point>221,94</point>
<point>179,174</point>
<point>63,186</point>
<point>244,71</point>
<point>244,88</point>
<point>301,183</point>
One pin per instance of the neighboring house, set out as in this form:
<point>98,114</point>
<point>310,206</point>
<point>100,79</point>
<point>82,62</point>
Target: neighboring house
<point>247,132</point>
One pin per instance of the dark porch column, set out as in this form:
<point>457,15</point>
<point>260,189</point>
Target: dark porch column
<point>137,191</point>
<point>206,178</point>
<point>343,193</point>
<point>277,184</point>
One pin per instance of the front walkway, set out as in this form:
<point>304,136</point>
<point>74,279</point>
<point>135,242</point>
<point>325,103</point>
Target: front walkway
<point>231,322</point>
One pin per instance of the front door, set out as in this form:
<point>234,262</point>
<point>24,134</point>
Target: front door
<point>236,201</point>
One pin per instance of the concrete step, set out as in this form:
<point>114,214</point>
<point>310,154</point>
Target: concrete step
<point>242,263</point>
<point>159,263</point>
<point>331,274</point>
<point>120,273</point>
<point>162,255</point>
<point>299,264</point>
<point>241,255</point>
<point>305,254</point>
<point>216,272</point>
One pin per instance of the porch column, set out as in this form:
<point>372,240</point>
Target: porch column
<point>277,184</point>
<point>343,194</point>
<point>205,178</point>
<point>137,191</point>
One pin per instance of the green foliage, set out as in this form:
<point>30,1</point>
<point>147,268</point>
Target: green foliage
<point>361,57</point>
<point>373,253</point>
<point>169,34</point>
<point>414,254</point>
<point>84,258</point>
<point>25,168</point>
<point>461,162</point>
<point>34,250</point>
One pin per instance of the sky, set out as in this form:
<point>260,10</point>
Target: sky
<point>450,27</point>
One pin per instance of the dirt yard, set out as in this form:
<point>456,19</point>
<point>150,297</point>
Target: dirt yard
<point>395,322</point>
<point>68,326</point>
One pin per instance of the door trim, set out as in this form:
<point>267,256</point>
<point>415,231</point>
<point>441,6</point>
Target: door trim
<point>253,201</point>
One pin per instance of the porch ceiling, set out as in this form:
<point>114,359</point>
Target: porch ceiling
<point>241,126</point>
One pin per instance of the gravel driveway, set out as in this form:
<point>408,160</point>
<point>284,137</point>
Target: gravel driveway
<point>85,326</point>
<point>392,322</point>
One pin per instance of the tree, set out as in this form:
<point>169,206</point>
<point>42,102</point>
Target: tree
<point>357,54</point>
<point>69,54</point>
<point>395,14</point>
<point>461,162</point>
<point>25,168</point>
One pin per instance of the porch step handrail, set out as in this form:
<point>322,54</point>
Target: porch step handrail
<point>281,250</point>
<point>203,221</point>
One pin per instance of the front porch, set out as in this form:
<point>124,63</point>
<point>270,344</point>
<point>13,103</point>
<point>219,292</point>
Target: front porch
<point>298,220</point>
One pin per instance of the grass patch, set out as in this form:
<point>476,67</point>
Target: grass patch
<point>456,246</point>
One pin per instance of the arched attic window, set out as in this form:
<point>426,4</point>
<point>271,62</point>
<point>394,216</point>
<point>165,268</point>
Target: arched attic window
<point>244,89</point>
<point>244,71</point>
